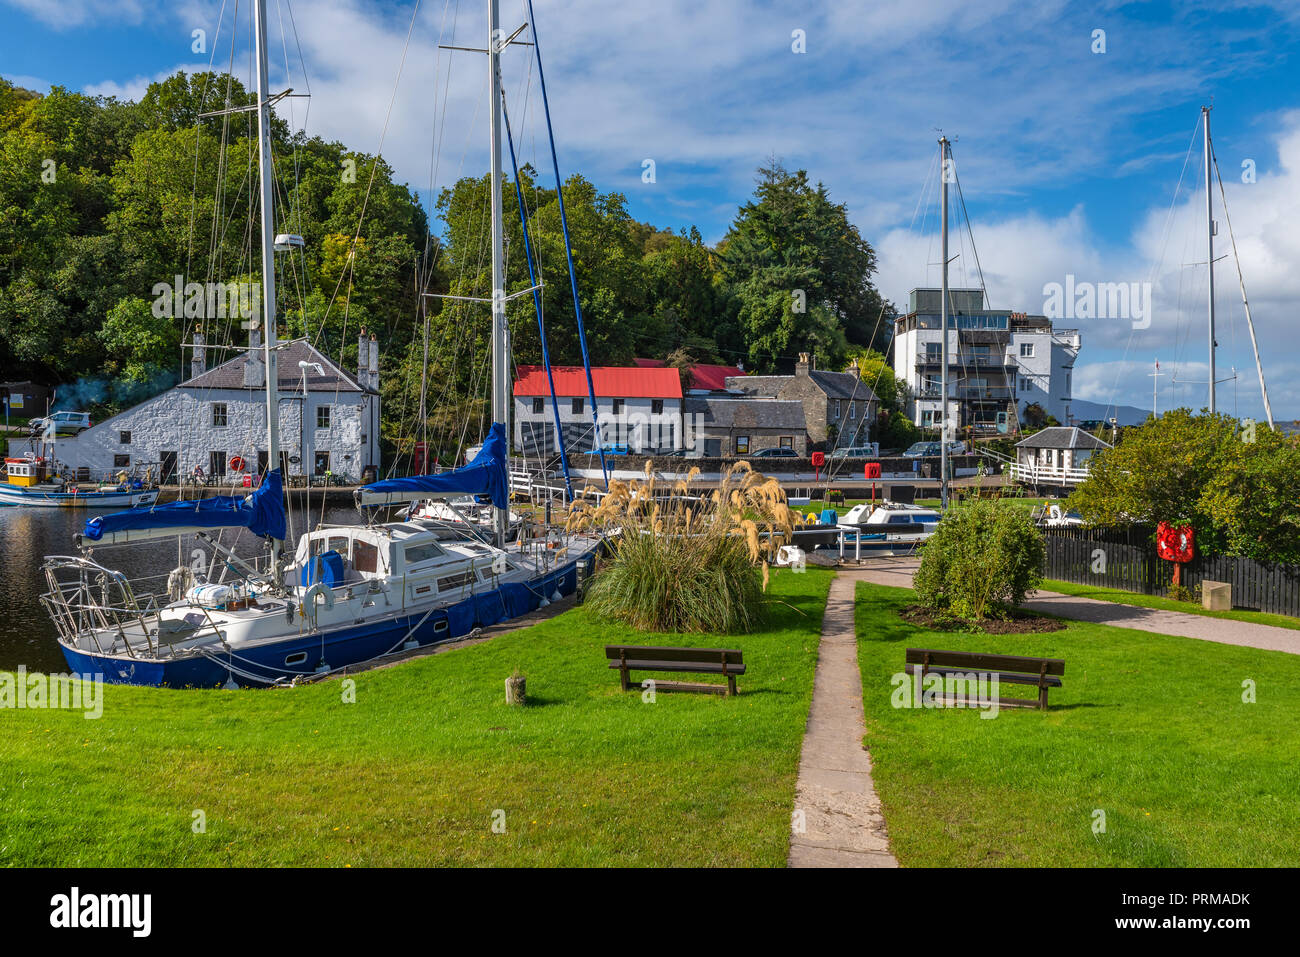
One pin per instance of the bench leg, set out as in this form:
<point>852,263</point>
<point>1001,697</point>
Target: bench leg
<point>731,685</point>
<point>1042,697</point>
<point>622,678</point>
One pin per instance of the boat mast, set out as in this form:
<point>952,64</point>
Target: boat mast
<point>265,176</point>
<point>1209,237</point>
<point>500,351</point>
<point>943,326</point>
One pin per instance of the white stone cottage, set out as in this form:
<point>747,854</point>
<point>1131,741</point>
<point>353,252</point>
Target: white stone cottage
<point>329,421</point>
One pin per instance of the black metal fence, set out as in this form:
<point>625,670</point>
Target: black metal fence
<point>1126,559</point>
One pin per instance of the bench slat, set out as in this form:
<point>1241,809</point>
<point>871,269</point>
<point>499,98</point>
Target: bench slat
<point>650,653</point>
<point>973,661</point>
<point>1009,677</point>
<point>711,668</point>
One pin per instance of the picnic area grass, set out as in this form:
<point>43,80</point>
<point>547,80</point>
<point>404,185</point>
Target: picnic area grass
<point>1149,729</point>
<point>1168,604</point>
<point>411,773</point>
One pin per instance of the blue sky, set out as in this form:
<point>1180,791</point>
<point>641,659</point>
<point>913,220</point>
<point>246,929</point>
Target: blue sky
<point>1068,158</point>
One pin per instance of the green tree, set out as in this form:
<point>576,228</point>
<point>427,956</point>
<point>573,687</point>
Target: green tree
<point>140,345</point>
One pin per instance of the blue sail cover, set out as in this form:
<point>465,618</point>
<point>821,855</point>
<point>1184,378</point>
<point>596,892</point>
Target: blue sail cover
<point>486,475</point>
<point>262,513</point>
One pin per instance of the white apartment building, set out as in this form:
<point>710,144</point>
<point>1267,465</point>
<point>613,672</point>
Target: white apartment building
<point>999,362</point>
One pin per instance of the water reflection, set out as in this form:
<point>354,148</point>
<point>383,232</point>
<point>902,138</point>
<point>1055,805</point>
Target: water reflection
<point>27,535</point>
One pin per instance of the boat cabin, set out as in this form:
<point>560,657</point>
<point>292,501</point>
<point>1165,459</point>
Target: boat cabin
<point>25,471</point>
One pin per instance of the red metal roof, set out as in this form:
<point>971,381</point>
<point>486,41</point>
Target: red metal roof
<point>614,382</point>
<point>703,375</point>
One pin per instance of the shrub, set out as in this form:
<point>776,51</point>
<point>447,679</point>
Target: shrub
<point>689,562</point>
<point>985,557</point>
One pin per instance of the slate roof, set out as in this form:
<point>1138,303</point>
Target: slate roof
<point>1062,437</point>
<point>230,374</point>
<point>735,413</point>
<point>842,385</point>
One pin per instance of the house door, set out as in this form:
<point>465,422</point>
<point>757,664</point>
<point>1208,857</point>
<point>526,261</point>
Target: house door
<point>168,460</point>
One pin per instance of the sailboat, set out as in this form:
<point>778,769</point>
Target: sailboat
<point>350,593</point>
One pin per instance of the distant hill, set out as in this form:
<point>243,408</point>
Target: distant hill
<point>1126,414</point>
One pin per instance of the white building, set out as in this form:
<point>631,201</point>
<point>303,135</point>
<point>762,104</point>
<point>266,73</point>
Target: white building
<point>329,421</point>
<point>1056,457</point>
<point>640,409</point>
<point>999,362</point>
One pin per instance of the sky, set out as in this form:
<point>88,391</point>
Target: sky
<point>1075,129</point>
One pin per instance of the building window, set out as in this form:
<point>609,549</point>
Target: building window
<point>656,406</point>
<point>837,408</point>
<point>1067,384</point>
<point>322,463</point>
<point>537,406</point>
<point>618,406</point>
<point>1026,350</point>
<point>577,406</point>
<point>125,437</point>
<point>323,416</point>
<point>219,415</point>
<point>787,441</point>
<point>742,445</point>
<point>1025,385</point>
<point>217,463</point>
<point>121,461</point>
<point>853,410</point>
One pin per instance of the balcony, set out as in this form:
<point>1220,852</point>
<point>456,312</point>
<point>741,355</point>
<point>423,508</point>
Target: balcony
<point>1032,473</point>
<point>964,360</point>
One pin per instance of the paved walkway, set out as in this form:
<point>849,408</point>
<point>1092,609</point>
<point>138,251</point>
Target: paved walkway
<point>898,571</point>
<point>837,820</point>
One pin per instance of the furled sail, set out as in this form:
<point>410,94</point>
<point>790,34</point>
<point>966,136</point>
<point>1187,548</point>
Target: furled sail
<point>486,475</point>
<point>262,513</point>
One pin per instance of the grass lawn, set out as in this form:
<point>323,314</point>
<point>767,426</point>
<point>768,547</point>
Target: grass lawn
<point>411,773</point>
<point>1168,604</point>
<point>1150,729</point>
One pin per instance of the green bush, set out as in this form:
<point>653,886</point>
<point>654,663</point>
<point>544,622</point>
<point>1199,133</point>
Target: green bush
<point>986,556</point>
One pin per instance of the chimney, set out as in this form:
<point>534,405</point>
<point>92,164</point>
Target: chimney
<point>853,369</point>
<point>803,366</point>
<point>254,374</point>
<point>363,359</point>
<point>374,363</point>
<point>196,359</point>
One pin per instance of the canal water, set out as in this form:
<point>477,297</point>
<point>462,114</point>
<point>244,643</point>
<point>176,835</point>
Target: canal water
<point>27,535</point>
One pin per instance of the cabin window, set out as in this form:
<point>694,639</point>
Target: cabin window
<point>742,445</point>
<point>124,438</point>
<point>537,406</point>
<point>365,556</point>
<point>323,416</point>
<point>458,580</point>
<point>577,406</point>
<point>219,417</point>
<point>422,553</point>
<point>121,461</point>
<point>339,543</point>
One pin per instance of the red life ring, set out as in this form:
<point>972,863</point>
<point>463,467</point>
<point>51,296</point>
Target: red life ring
<point>1175,543</point>
<point>237,464</point>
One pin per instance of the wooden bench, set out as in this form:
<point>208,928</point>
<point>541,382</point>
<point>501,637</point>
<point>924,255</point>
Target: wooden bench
<point>1043,673</point>
<point>727,662</point>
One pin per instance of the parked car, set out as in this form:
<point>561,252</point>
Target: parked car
<point>870,451</point>
<point>65,423</point>
<point>774,453</point>
<point>921,449</point>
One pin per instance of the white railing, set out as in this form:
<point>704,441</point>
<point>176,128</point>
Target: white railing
<point>1032,473</point>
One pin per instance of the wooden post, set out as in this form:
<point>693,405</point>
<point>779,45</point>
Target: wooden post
<point>516,689</point>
